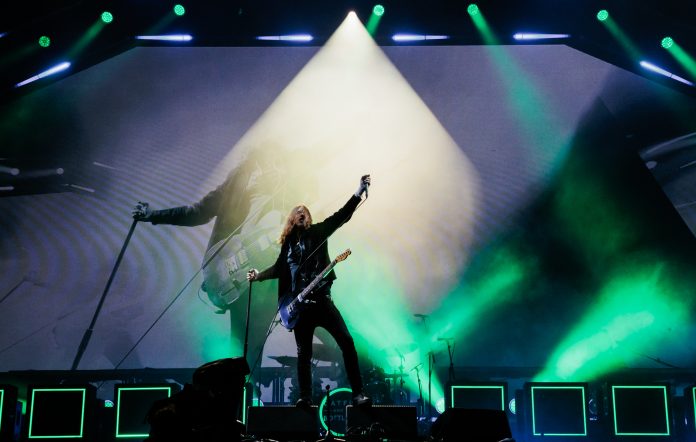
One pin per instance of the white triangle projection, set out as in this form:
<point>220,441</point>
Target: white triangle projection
<point>350,112</point>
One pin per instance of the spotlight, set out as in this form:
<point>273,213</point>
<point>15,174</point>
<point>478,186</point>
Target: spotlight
<point>603,15</point>
<point>174,37</point>
<point>658,70</point>
<point>107,17</point>
<point>417,37</point>
<point>44,41</point>
<point>61,67</point>
<point>667,42</point>
<point>531,36</point>
<point>472,9</point>
<point>179,10</point>
<point>378,10</point>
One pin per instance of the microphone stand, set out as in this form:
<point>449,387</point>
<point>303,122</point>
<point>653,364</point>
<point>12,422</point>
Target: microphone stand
<point>431,364</point>
<point>88,333</point>
<point>420,391</point>
<point>450,352</point>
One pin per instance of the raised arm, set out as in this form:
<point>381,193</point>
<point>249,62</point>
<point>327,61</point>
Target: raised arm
<point>193,215</point>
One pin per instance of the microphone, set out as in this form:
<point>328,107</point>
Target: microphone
<point>445,339</point>
<point>367,186</point>
<point>416,367</point>
<point>418,315</point>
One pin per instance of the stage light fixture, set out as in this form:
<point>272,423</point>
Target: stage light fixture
<point>472,9</point>
<point>44,41</point>
<point>179,10</point>
<point>378,10</point>
<point>107,17</point>
<point>667,42</point>
<point>54,70</point>
<point>602,15</point>
<point>658,70</point>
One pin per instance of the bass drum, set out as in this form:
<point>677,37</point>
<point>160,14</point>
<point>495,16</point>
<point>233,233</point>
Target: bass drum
<point>377,386</point>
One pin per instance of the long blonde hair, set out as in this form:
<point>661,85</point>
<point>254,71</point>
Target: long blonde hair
<point>290,222</point>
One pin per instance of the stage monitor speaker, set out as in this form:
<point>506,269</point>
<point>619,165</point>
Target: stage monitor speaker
<point>61,412</point>
<point>133,401</point>
<point>471,425</point>
<point>556,409</point>
<point>8,413</point>
<point>382,421</point>
<point>283,422</point>
<point>477,395</point>
<point>641,410</point>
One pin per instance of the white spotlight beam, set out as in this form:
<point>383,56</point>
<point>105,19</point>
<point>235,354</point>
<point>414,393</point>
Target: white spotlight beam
<point>175,37</point>
<point>536,36</point>
<point>54,70</point>
<point>417,37</point>
<point>658,70</point>
<point>300,38</point>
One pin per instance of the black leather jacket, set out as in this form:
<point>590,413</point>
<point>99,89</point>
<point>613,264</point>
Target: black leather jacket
<point>315,236</point>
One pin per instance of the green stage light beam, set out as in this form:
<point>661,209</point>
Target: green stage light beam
<point>88,37</point>
<point>525,98</point>
<point>44,41</point>
<point>602,15</point>
<point>620,36</point>
<point>682,57</point>
<point>179,10</point>
<point>375,18</point>
<point>107,17</point>
<point>636,311</point>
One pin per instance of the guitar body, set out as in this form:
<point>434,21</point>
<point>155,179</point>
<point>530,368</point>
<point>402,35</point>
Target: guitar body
<point>224,278</point>
<point>289,314</point>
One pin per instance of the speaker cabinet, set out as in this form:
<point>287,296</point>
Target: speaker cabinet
<point>384,421</point>
<point>471,425</point>
<point>283,422</point>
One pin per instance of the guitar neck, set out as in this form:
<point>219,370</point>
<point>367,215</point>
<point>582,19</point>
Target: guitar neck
<point>316,281</point>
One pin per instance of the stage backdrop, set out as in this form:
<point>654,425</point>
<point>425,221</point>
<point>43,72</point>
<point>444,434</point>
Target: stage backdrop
<point>495,217</point>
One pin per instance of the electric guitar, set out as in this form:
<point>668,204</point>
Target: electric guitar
<point>291,306</point>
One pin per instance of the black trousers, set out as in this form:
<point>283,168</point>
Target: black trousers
<point>324,314</point>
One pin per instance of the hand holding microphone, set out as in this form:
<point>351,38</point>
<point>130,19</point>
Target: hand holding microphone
<point>364,185</point>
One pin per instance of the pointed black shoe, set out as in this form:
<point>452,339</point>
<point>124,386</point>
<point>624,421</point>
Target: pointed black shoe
<point>304,402</point>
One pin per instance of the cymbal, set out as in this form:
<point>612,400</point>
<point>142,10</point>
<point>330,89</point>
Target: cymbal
<point>287,361</point>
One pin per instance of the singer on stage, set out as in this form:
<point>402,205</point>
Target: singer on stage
<point>303,255</point>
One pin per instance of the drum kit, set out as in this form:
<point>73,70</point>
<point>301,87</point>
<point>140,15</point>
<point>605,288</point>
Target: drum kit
<point>383,387</point>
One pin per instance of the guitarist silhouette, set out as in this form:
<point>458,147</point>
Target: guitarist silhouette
<point>303,265</point>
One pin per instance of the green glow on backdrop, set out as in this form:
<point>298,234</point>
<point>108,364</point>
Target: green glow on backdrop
<point>634,310</point>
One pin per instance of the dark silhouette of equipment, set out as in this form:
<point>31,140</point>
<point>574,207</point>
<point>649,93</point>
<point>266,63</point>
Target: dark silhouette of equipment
<point>205,410</point>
